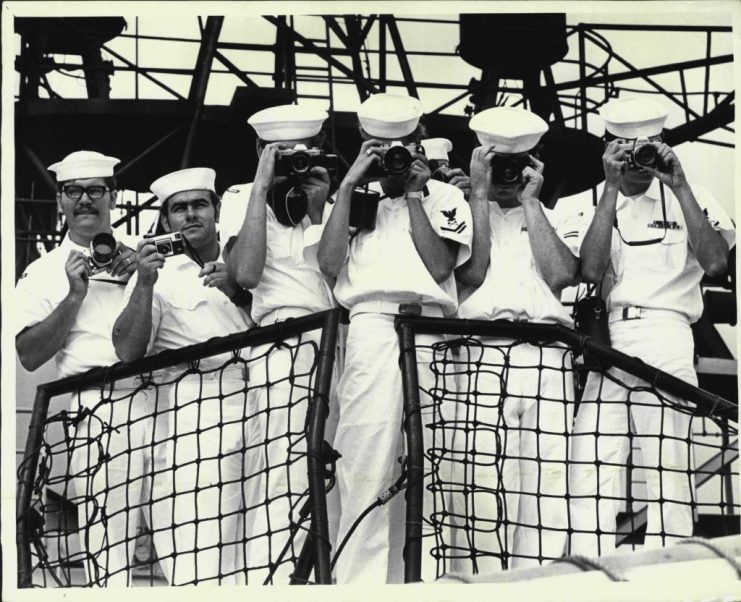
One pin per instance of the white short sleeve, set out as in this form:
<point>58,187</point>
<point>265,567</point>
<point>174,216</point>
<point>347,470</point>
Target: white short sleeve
<point>716,215</point>
<point>32,301</point>
<point>571,229</point>
<point>450,217</point>
<point>234,203</point>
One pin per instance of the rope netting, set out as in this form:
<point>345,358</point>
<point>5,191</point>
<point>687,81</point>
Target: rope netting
<point>524,465</point>
<point>196,473</point>
<point>198,470</point>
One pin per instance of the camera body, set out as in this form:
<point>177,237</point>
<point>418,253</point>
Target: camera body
<point>169,244</point>
<point>103,250</point>
<point>299,161</point>
<point>396,160</point>
<point>643,154</point>
<point>506,170</point>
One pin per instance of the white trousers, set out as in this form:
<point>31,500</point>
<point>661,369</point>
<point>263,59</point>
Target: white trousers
<point>113,456</point>
<point>281,382</point>
<point>601,440</point>
<point>370,438</point>
<point>511,443</point>
<point>201,492</point>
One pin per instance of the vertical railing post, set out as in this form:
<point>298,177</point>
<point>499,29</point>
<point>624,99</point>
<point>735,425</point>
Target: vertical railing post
<point>26,477</point>
<point>317,418</point>
<point>415,453</point>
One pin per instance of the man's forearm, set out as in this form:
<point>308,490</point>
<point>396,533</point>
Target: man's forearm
<point>433,250</point>
<point>554,260</point>
<point>334,242</point>
<point>474,270</point>
<point>133,327</point>
<point>709,246</point>
<point>246,260</point>
<point>37,344</point>
<point>595,249</point>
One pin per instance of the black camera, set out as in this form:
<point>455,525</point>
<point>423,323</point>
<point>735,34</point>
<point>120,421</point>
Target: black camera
<point>169,244</point>
<point>103,250</point>
<point>643,154</point>
<point>440,169</point>
<point>299,162</point>
<point>397,160</point>
<point>506,170</point>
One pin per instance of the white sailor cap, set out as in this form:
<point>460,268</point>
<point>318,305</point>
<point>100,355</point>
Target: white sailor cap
<point>288,122</point>
<point>390,116</point>
<point>633,117</point>
<point>84,164</point>
<point>437,149</point>
<point>193,178</point>
<point>508,129</point>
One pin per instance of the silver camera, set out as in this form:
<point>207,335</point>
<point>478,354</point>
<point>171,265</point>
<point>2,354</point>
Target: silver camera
<point>169,244</point>
<point>103,250</point>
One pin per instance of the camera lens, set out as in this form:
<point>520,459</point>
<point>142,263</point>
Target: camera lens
<point>645,155</point>
<point>506,171</point>
<point>397,160</point>
<point>300,163</point>
<point>164,247</point>
<point>103,248</point>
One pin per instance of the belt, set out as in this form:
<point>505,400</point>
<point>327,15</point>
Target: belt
<point>637,313</point>
<point>390,307</point>
<point>283,313</point>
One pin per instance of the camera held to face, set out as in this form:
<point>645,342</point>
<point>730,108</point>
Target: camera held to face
<point>102,252</point>
<point>643,154</point>
<point>169,244</point>
<point>396,160</point>
<point>506,170</point>
<point>299,161</point>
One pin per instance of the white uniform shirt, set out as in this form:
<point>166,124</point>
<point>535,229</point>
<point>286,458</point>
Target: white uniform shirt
<point>384,265</point>
<point>44,285</point>
<point>185,312</point>
<point>514,288</point>
<point>291,277</point>
<point>665,275</point>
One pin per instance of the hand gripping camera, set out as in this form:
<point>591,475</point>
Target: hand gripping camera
<point>506,170</point>
<point>299,161</point>
<point>643,154</point>
<point>102,252</point>
<point>440,169</point>
<point>397,160</point>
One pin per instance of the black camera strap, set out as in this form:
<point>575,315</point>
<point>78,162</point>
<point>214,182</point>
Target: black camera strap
<point>192,252</point>
<point>652,241</point>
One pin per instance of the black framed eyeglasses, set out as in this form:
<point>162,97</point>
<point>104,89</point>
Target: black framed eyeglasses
<point>74,192</point>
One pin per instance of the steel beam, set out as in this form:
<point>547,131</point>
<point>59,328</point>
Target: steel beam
<point>406,70</point>
<point>199,83</point>
<point>321,52</point>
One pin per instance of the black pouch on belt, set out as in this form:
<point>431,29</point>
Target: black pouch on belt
<point>591,319</point>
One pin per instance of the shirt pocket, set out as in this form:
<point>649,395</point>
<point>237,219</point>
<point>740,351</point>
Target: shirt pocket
<point>674,249</point>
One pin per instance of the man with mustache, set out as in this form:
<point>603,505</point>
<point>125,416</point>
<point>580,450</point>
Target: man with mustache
<point>65,311</point>
<point>170,304</point>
